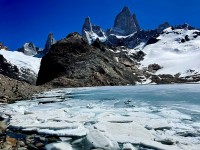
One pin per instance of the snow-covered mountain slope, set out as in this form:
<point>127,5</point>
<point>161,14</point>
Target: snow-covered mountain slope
<point>176,51</point>
<point>28,66</point>
<point>92,36</point>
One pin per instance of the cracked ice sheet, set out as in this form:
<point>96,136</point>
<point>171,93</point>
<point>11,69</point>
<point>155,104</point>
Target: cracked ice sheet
<point>138,123</point>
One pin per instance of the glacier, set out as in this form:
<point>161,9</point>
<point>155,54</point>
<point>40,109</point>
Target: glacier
<point>22,61</point>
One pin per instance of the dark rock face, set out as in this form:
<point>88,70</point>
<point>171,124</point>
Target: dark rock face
<point>87,25</point>
<point>131,41</point>
<point>126,23</point>
<point>50,41</point>
<point>154,67</point>
<point>12,71</point>
<point>72,62</point>
<point>152,40</point>
<point>8,69</point>
<point>98,30</point>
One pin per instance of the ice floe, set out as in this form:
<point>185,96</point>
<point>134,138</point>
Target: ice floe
<point>108,118</point>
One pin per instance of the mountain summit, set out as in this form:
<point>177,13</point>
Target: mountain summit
<point>126,22</point>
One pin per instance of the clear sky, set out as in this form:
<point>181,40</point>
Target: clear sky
<point>31,20</point>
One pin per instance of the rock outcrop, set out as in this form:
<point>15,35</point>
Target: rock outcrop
<point>29,49</point>
<point>50,41</point>
<point>126,23</point>
<point>87,26</point>
<point>72,62</point>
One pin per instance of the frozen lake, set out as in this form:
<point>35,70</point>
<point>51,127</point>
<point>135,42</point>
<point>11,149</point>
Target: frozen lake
<point>146,117</point>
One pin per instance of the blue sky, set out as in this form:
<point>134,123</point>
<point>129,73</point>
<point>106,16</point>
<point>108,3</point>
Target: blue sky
<point>31,20</point>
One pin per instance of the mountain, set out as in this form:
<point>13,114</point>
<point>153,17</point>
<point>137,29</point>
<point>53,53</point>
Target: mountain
<point>124,54</point>
<point>164,55</point>
<point>92,32</point>
<point>29,49</point>
<point>177,51</point>
<point>126,31</point>
<point>19,66</point>
<point>125,23</point>
<point>72,62</point>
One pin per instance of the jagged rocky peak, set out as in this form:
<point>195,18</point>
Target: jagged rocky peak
<point>126,23</point>
<point>29,49</point>
<point>92,32</point>
<point>87,26</point>
<point>50,41</point>
<point>163,26</point>
<point>3,47</point>
<point>185,26</point>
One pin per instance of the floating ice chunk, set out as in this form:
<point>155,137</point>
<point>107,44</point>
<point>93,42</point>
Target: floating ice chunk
<point>101,140</point>
<point>157,145</point>
<point>60,146</point>
<point>125,132</point>
<point>128,146</point>
<point>64,132</point>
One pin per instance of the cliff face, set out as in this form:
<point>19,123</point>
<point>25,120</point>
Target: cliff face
<point>50,41</point>
<point>126,23</point>
<point>73,62</point>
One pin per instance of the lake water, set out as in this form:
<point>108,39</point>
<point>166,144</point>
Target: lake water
<point>148,116</point>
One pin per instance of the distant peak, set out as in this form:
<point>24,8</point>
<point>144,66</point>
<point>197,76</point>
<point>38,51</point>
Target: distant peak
<point>87,24</point>
<point>126,23</point>
<point>50,34</point>
<point>126,9</point>
<point>3,47</point>
<point>50,41</point>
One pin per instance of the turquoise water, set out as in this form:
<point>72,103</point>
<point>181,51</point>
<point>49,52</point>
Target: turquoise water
<point>181,97</point>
